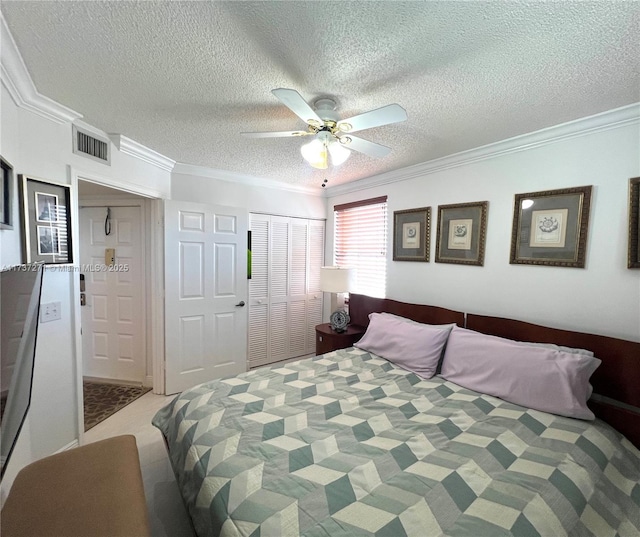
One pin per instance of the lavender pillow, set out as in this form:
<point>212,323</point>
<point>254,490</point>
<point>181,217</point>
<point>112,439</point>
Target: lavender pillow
<point>413,346</point>
<point>406,320</point>
<point>562,348</point>
<point>536,377</point>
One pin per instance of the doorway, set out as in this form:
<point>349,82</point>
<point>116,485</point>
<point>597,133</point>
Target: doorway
<point>113,299</point>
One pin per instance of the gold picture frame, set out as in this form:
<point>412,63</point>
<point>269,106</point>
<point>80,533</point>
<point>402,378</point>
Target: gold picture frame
<point>550,228</point>
<point>461,233</point>
<point>412,234</point>
<point>633,260</point>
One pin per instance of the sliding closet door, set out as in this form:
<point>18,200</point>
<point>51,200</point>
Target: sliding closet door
<point>285,302</point>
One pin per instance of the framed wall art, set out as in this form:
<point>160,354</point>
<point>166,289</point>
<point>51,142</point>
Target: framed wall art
<point>46,221</point>
<point>550,228</point>
<point>6,195</point>
<point>461,233</point>
<point>412,234</point>
<point>634,223</point>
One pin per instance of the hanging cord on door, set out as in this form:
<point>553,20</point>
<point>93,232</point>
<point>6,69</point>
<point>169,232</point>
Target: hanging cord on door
<point>107,222</point>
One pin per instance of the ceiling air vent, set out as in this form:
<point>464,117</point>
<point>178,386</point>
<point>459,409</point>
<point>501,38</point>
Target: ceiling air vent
<point>89,145</point>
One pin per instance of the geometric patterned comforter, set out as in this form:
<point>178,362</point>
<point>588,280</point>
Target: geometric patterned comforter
<point>349,444</point>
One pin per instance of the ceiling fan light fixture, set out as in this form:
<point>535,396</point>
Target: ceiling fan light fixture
<point>321,148</point>
<point>339,153</point>
<point>315,153</point>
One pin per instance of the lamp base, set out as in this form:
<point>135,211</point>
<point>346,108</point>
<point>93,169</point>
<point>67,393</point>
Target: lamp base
<point>339,321</point>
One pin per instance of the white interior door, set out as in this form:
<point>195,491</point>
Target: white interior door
<point>113,317</point>
<point>205,293</point>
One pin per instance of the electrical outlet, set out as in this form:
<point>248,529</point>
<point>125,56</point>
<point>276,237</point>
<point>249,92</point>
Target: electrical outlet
<point>50,311</point>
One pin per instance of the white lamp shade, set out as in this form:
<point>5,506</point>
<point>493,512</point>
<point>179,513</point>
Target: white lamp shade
<point>315,153</point>
<point>338,152</point>
<point>336,279</point>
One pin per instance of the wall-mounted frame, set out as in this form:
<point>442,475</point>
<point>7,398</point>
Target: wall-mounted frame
<point>6,195</point>
<point>412,234</point>
<point>550,227</point>
<point>634,223</point>
<point>46,221</point>
<point>461,234</point>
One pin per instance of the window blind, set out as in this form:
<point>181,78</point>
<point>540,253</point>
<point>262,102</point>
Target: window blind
<point>361,243</point>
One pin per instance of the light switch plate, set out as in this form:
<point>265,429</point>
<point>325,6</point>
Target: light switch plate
<point>51,311</point>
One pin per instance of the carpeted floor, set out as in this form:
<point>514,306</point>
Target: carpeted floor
<point>101,400</point>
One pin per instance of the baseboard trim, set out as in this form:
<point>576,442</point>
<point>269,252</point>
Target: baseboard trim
<point>69,446</point>
<point>115,381</point>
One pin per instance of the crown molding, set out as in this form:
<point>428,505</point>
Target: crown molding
<point>91,129</point>
<point>241,178</point>
<point>611,119</point>
<point>77,174</point>
<point>15,77</point>
<point>131,147</point>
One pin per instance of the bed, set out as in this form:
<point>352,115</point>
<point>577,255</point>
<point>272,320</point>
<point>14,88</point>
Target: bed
<point>349,443</point>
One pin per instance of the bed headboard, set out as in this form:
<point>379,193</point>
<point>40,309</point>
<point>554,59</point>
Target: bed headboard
<point>360,306</point>
<point>616,383</point>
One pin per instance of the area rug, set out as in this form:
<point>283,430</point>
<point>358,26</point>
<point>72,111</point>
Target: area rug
<point>101,400</point>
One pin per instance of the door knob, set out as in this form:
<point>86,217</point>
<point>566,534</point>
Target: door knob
<point>240,304</point>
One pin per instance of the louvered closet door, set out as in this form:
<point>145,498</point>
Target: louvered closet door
<point>279,248</point>
<point>259,290</point>
<point>298,287</point>
<point>315,252</point>
<point>285,300</point>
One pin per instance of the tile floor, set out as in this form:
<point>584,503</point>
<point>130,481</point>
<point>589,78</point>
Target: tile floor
<point>167,513</point>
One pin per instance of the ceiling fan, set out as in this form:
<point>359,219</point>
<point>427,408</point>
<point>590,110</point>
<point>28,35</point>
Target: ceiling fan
<point>332,138</point>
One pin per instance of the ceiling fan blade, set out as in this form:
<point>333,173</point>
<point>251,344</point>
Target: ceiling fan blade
<point>294,101</point>
<point>392,113</point>
<point>275,134</point>
<point>361,145</point>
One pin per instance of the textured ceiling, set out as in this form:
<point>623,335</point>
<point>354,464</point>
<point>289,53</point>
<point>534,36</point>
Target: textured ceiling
<point>185,78</point>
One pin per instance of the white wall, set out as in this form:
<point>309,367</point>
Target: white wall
<point>41,148</point>
<point>602,298</point>
<point>207,189</point>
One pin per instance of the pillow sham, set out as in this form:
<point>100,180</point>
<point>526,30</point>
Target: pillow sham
<point>407,320</point>
<point>562,348</point>
<point>536,377</point>
<point>411,345</point>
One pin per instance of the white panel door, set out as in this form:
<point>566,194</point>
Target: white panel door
<point>113,334</point>
<point>205,293</point>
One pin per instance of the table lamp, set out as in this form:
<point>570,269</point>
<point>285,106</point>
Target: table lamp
<point>337,281</point>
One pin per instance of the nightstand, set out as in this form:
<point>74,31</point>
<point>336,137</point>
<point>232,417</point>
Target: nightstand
<point>328,340</point>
